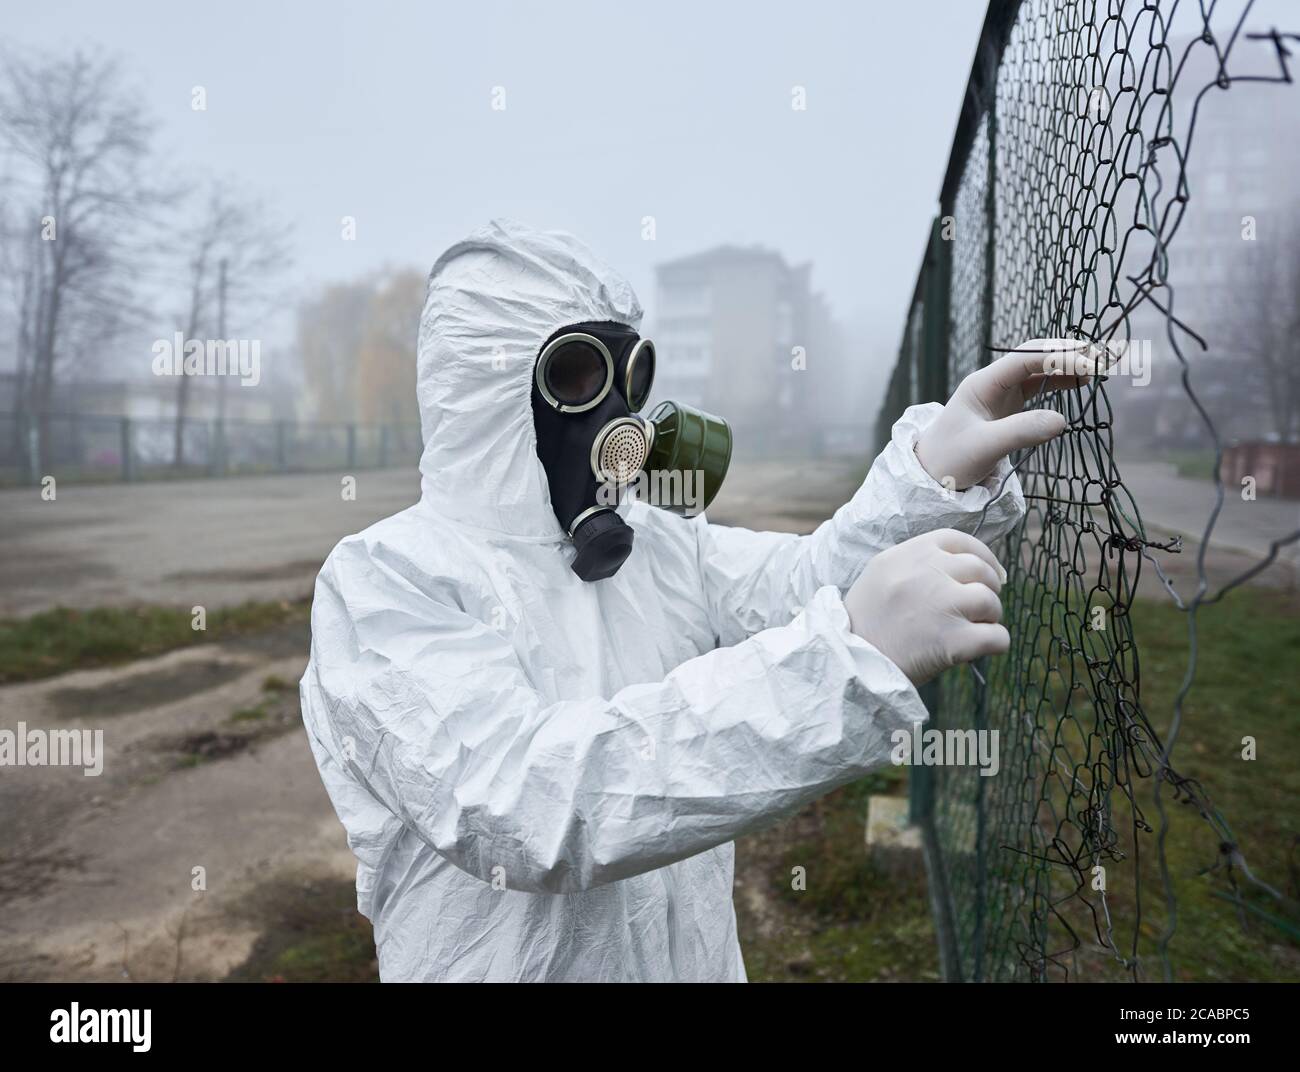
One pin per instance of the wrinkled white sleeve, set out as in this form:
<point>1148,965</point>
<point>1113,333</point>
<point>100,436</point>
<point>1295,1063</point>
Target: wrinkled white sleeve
<point>431,712</point>
<point>754,580</point>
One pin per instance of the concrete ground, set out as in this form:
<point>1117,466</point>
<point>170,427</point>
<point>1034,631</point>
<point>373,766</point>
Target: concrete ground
<point>184,542</point>
<point>220,542</point>
<point>1182,505</point>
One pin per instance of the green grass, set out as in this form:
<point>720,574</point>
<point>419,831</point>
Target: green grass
<point>63,639</point>
<point>311,933</point>
<point>1193,464</point>
<point>1249,648</point>
<point>856,922</point>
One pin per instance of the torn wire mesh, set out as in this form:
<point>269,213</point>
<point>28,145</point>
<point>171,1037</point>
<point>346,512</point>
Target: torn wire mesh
<point>1065,218</point>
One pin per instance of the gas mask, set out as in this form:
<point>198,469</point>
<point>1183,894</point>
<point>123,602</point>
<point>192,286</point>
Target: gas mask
<point>590,382</point>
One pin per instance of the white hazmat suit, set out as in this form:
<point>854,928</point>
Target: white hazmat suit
<point>541,777</point>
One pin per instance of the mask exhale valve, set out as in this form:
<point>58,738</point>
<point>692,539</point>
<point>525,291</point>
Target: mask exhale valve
<point>603,541</point>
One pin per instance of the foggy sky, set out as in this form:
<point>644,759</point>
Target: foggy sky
<point>679,111</point>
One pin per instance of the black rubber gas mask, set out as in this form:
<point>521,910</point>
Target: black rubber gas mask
<point>590,382</point>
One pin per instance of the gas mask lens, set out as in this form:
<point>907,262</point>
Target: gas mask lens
<point>640,374</point>
<point>574,372</point>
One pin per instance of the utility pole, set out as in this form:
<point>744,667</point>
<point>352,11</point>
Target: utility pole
<point>221,380</point>
<point>221,335</point>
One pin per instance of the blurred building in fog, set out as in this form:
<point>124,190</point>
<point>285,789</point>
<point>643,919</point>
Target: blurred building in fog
<point>739,332</point>
<point>1235,291</point>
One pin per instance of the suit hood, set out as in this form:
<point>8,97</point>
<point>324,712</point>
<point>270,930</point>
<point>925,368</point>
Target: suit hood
<point>493,299</point>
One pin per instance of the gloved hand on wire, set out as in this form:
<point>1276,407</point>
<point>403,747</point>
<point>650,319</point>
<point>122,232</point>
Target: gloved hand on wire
<point>930,602</point>
<point>985,419</point>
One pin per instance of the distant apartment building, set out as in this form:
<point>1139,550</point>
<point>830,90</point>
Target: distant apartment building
<point>1241,181</point>
<point>740,333</point>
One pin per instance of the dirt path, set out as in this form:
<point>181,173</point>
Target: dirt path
<point>205,766</point>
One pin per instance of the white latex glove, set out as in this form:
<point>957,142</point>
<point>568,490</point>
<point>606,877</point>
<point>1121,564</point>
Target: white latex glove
<point>985,419</point>
<point>930,602</point>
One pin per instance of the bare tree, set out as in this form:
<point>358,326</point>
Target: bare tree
<point>385,360</point>
<point>77,207</point>
<point>1263,325</point>
<point>233,251</point>
<point>331,331</point>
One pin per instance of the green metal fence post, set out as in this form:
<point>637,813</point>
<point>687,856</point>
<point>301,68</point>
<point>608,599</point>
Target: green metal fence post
<point>936,327</point>
<point>934,288</point>
<point>922,794</point>
<point>981,714</point>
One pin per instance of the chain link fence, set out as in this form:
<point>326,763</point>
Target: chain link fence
<point>1058,216</point>
<point>78,447</point>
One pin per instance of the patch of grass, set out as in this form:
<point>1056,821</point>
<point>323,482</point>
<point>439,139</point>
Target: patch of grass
<point>1193,464</point>
<point>1243,684</point>
<point>1248,648</point>
<point>63,639</point>
<point>275,683</point>
<point>853,920</point>
<point>899,948</point>
<point>842,884</point>
<point>311,933</point>
<point>248,714</point>
<point>856,922</point>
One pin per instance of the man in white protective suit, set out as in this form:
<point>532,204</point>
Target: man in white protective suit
<point>544,719</point>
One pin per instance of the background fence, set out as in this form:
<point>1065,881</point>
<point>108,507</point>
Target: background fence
<point>1063,195</point>
<point>86,447</point>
